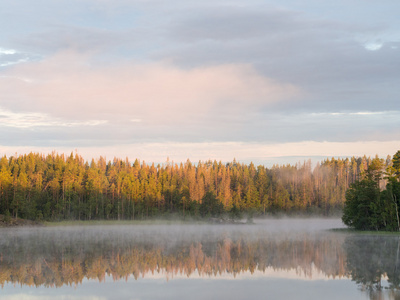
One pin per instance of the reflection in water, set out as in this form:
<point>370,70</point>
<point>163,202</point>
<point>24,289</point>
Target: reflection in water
<point>373,258</point>
<point>57,257</point>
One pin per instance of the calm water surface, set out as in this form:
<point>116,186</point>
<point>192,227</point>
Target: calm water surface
<point>272,259</point>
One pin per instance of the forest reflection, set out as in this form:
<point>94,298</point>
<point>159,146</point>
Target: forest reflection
<point>372,260</point>
<point>52,258</point>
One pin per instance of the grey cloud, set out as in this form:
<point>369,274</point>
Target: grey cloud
<point>325,57</point>
<point>60,38</point>
<point>226,23</point>
<point>232,24</point>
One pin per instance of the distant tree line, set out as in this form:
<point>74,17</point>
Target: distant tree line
<point>369,206</point>
<point>57,186</point>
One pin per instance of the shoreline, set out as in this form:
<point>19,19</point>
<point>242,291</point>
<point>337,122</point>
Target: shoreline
<point>12,223</point>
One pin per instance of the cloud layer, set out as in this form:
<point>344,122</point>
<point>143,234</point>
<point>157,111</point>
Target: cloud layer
<point>68,89</point>
<point>101,73</point>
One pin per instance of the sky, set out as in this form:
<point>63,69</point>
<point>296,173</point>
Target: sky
<point>264,81</point>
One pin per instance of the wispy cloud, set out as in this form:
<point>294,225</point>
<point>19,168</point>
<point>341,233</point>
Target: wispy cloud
<point>9,57</point>
<point>369,113</point>
<point>10,63</point>
<point>359,113</point>
<point>18,78</point>
<point>7,51</point>
<point>136,120</point>
<point>30,120</point>
<point>373,46</point>
<point>28,296</point>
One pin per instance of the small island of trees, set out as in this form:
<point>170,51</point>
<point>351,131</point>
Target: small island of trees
<point>372,202</point>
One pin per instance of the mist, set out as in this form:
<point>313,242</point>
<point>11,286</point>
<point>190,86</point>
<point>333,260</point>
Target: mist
<point>168,253</point>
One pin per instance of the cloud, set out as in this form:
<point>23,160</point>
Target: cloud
<point>10,63</point>
<point>90,39</point>
<point>29,120</point>
<point>28,296</point>
<point>7,51</point>
<point>359,113</point>
<point>69,86</point>
<point>236,23</point>
<point>9,57</point>
<point>373,46</point>
<point>323,53</point>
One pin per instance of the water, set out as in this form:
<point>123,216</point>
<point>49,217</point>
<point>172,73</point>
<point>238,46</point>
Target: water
<point>273,259</point>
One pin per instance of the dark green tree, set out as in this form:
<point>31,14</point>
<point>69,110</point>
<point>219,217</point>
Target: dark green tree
<point>360,209</point>
<point>369,208</point>
<point>211,206</point>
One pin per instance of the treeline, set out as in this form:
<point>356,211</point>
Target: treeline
<point>57,186</point>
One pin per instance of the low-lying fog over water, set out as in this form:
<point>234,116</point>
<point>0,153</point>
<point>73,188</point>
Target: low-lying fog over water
<point>274,259</point>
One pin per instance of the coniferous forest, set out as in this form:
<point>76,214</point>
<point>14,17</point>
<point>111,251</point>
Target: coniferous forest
<point>66,187</point>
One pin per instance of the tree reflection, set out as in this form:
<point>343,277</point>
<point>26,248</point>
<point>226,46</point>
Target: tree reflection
<point>373,259</point>
<point>53,258</point>
<point>56,260</point>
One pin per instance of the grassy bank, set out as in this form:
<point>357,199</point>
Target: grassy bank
<point>366,232</point>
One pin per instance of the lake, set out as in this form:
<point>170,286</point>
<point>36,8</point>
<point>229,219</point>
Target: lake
<point>271,259</point>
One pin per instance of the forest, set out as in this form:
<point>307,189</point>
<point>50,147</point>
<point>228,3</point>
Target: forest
<point>66,187</point>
